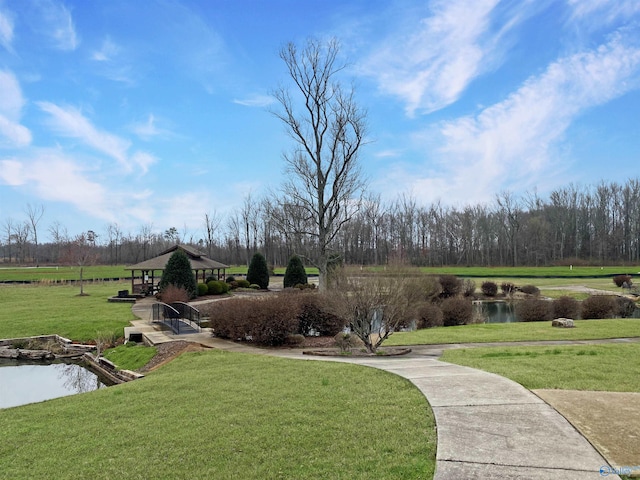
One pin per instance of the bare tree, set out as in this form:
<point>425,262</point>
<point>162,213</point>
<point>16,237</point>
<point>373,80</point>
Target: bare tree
<point>324,177</point>
<point>35,213</point>
<point>211,225</point>
<point>8,229</point>
<point>376,306</point>
<point>81,251</point>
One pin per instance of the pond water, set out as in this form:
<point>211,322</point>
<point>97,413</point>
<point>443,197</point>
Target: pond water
<point>24,383</point>
<point>496,312</point>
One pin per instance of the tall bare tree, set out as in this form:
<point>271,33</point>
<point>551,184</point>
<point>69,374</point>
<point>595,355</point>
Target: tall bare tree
<point>324,178</point>
<point>34,214</point>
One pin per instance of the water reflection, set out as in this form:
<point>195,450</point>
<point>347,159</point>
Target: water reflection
<point>496,311</point>
<point>24,383</point>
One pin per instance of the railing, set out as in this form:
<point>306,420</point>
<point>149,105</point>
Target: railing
<point>176,316</point>
<point>188,313</point>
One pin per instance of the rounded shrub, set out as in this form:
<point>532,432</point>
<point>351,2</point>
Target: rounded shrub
<point>295,273</point>
<point>625,307</point>
<point>468,287</point>
<point>451,285</point>
<point>313,315</point>
<point>428,316</point>
<point>598,306</point>
<point>456,311</point>
<point>258,271</point>
<point>533,309</point>
<point>620,280</point>
<point>203,289</point>
<point>230,279</point>
<point>490,289</point>
<point>565,307</point>
<point>254,286</point>
<point>216,287</point>
<point>242,283</point>
<point>530,290</point>
<point>507,288</point>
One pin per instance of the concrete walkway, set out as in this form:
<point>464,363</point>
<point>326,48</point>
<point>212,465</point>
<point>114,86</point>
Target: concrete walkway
<point>488,427</point>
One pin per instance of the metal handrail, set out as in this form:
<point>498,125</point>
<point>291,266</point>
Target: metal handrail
<point>188,312</point>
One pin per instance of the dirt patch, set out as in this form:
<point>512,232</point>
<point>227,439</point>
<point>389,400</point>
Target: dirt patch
<point>170,350</point>
<point>609,420</point>
<point>358,352</point>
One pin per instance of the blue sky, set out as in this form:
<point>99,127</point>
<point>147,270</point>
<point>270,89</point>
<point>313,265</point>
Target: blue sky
<point>154,112</point>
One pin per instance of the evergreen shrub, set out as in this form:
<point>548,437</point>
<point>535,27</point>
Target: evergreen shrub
<point>258,271</point>
<point>295,273</point>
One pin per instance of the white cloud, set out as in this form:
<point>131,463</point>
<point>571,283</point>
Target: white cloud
<point>107,51</point>
<point>149,129</point>
<point>70,122</point>
<point>255,101</point>
<point>143,161</point>
<point>6,31</point>
<point>58,25</point>
<point>430,67</point>
<point>12,133</point>
<point>603,11</point>
<point>512,143</point>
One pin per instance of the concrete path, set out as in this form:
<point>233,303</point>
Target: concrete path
<point>488,427</point>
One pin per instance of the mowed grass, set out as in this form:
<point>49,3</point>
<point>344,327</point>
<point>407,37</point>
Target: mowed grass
<point>130,356</point>
<point>519,332</point>
<point>611,367</point>
<point>224,415</point>
<point>63,273</point>
<point>27,310</point>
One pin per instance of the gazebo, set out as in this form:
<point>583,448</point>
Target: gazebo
<point>148,279</point>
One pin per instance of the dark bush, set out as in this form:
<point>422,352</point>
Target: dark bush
<point>178,272</point>
<point>233,284</point>
<point>490,289</point>
<point>451,285</point>
<point>598,306</point>
<point>217,287</point>
<point>620,280</point>
<point>530,290</point>
<point>258,271</point>
<point>295,273</point>
<point>507,288</point>
<point>203,289</point>
<point>242,283</point>
<point>267,321</point>
<point>313,316</point>
<point>624,307</point>
<point>533,310</point>
<point>230,279</point>
<point>429,315</point>
<point>468,287</point>
<point>565,307</point>
<point>456,311</point>
<point>295,339</point>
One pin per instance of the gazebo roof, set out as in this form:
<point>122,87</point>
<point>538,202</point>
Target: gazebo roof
<point>199,260</point>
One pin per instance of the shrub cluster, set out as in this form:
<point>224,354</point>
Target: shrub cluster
<point>450,284</point>
<point>217,287</point>
<point>295,273</point>
<point>620,280</point>
<point>313,317</point>
<point>202,289</point>
<point>172,293</point>
<point>598,306</point>
<point>267,321</point>
<point>533,309</point>
<point>456,311</point>
<point>625,307</point>
<point>468,287</point>
<point>258,271</point>
<point>507,288</point>
<point>490,289</point>
<point>565,307</point>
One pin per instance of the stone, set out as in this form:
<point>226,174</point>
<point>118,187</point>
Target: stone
<point>562,323</point>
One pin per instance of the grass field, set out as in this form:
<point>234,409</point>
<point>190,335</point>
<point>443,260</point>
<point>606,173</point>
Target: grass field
<point>612,368</point>
<point>27,310</point>
<point>224,415</point>
<point>519,332</point>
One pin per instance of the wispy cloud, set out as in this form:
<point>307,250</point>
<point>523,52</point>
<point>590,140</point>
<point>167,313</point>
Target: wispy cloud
<point>12,133</point>
<point>108,50</point>
<point>70,122</point>
<point>430,67</point>
<point>57,24</point>
<point>149,129</point>
<point>112,62</point>
<point>603,11</point>
<point>6,30</point>
<point>512,143</point>
<point>256,100</point>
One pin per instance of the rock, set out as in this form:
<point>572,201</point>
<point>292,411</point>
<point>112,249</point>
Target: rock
<point>562,323</point>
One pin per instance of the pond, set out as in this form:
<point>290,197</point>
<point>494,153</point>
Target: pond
<point>496,311</point>
<point>24,383</point>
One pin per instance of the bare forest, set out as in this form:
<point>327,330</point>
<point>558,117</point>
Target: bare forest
<point>597,224</point>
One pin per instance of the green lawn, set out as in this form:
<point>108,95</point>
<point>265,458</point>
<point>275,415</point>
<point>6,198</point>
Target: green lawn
<point>27,310</point>
<point>612,367</point>
<point>61,273</point>
<point>518,332</point>
<point>130,356</point>
<point>224,415</point>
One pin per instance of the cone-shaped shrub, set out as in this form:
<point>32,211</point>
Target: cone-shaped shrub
<point>178,272</point>
<point>258,272</point>
<point>295,273</point>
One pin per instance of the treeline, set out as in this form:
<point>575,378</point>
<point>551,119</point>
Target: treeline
<point>598,224</point>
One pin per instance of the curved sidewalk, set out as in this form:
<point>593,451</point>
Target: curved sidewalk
<point>488,427</point>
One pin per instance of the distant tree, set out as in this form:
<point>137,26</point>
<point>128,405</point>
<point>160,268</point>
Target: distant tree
<point>178,272</point>
<point>80,251</point>
<point>295,273</point>
<point>35,213</point>
<point>258,272</point>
